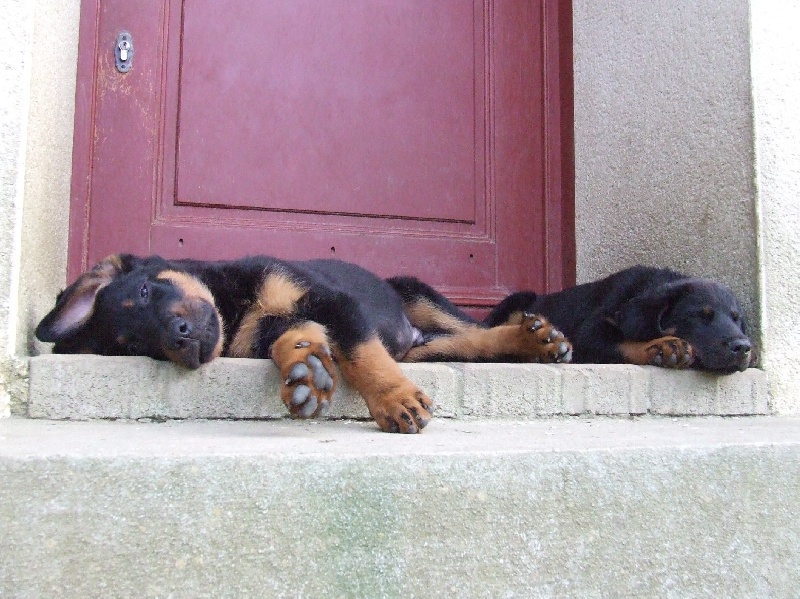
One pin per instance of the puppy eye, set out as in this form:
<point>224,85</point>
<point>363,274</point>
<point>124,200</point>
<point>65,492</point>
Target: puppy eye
<point>735,316</point>
<point>134,348</point>
<point>144,292</point>
<point>707,314</point>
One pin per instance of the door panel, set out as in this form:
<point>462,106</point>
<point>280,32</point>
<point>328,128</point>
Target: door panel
<point>408,136</point>
<point>332,108</point>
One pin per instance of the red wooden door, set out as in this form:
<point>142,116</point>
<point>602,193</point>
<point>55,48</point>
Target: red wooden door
<point>409,136</point>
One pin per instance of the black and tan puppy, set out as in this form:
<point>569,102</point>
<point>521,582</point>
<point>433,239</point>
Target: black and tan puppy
<point>303,315</point>
<point>643,315</point>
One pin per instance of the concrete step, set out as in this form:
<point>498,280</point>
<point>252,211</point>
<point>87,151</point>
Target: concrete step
<point>89,387</point>
<point>571,507</point>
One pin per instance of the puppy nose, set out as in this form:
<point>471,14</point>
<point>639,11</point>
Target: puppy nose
<point>739,346</point>
<point>180,328</point>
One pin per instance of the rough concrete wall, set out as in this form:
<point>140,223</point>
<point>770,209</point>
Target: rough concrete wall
<point>776,88</point>
<point>38,60</point>
<point>49,164</point>
<point>16,32</point>
<point>664,140</point>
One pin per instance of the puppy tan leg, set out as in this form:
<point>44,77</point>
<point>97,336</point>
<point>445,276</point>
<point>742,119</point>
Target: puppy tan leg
<point>396,403</point>
<point>532,339</point>
<point>308,375</point>
<point>667,352</point>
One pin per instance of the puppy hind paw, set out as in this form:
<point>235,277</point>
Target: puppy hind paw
<point>550,345</point>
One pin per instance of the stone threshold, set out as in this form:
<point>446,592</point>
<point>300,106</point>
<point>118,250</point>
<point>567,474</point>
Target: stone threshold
<point>83,387</point>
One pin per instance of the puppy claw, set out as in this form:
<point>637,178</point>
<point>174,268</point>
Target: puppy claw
<point>536,324</point>
<point>422,420</point>
<point>408,411</point>
<point>544,342</point>
<point>669,352</point>
<point>411,426</point>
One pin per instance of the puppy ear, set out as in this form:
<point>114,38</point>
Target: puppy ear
<point>75,305</point>
<point>642,317</point>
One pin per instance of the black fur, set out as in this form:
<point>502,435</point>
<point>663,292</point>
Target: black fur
<point>643,304</point>
<point>301,314</point>
<point>351,302</point>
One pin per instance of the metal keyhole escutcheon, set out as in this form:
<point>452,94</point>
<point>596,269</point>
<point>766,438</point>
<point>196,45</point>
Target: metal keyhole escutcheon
<point>123,52</point>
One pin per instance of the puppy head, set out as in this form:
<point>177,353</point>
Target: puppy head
<point>137,307</point>
<point>709,317</point>
<point>704,313</point>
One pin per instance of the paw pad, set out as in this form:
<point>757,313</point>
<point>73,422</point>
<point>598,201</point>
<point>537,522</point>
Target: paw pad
<point>553,347</point>
<point>308,383</point>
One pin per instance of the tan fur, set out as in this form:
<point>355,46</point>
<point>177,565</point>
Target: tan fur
<point>644,353</point>
<point>112,261</point>
<point>191,286</point>
<point>108,268</point>
<point>194,290</point>
<point>516,340</point>
<point>277,296</point>
<point>515,318</point>
<point>423,314</point>
<point>296,345</point>
<point>391,397</point>
<point>285,351</point>
<point>242,344</point>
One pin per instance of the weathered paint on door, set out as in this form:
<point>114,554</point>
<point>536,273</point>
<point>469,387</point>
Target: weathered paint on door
<point>409,136</point>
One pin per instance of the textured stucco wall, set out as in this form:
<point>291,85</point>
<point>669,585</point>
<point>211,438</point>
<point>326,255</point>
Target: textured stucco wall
<point>16,32</point>
<point>776,85</point>
<point>38,56</point>
<point>687,134</point>
<point>49,163</point>
<point>664,140</point>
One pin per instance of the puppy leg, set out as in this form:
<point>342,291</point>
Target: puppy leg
<point>394,401</point>
<point>452,335</point>
<point>667,352</point>
<point>308,375</point>
<point>532,339</point>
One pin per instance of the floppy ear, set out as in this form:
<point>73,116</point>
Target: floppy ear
<point>74,305</point>
<point>641,317</point>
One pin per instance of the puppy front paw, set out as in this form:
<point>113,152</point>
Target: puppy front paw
<point>670,352</point>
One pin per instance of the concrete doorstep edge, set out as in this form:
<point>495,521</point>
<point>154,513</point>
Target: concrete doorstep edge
<point>70,387</point>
